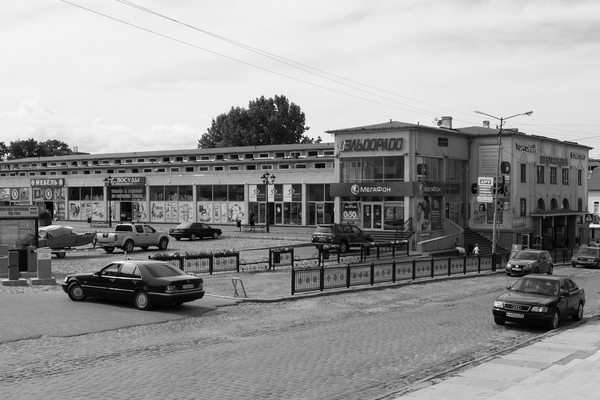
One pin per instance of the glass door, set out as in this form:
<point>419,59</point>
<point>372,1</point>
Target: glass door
<point>367,215</point>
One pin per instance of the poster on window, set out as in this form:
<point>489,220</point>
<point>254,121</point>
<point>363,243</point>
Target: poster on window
<point>235,212</point>
<point>351,213</point>
<point>157,211</point>
<point>204,211</point>
<point>429,213</point>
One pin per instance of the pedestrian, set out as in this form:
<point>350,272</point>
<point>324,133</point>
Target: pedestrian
<point>458,247</point>
<point>476,251</point>
<point>252,220</point>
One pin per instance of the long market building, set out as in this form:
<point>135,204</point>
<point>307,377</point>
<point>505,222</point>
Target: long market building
<point>378,177</point>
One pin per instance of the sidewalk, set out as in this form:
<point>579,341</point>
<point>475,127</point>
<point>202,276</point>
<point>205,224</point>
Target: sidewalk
<point>565,364</point>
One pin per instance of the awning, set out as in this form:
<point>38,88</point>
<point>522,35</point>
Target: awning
<point>557,213</point>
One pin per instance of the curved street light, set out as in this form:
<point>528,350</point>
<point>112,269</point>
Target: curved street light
<point>267,179</point>
<point>495,205</point>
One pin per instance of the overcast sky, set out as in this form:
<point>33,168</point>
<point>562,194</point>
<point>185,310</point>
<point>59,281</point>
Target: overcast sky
<point>116,78</point>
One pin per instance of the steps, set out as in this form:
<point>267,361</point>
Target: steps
<point>485,245</point>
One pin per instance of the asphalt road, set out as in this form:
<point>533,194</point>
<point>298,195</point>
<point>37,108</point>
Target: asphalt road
<point>358,345</point>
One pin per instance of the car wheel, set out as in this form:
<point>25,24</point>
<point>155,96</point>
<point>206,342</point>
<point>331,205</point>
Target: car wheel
<point>554,322</point>
<point>75,292</point>
<point>498,321</point>
<point>579,314</point>
<point>550,270</point>
<point>109,249</point>
<point>128,246</point>
<point>141,300</point>
<point>343,247</point>
<point>193,236</point>
<point>163,244</point>
<point>215,235</point>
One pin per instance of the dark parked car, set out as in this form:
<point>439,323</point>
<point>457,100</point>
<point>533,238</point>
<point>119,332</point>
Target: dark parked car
<point>530,261</point>
<point>145,283</point>
<point>539,299</point>
<point>344,235</point>
<point>587,256</point>
<point>194,230</point>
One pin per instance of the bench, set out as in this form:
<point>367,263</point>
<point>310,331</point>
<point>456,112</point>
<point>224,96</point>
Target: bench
<point>253,228</point>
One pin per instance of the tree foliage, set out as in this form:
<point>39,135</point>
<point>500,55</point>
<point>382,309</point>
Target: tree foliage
<point>32,148</point>
<point>265,122</point>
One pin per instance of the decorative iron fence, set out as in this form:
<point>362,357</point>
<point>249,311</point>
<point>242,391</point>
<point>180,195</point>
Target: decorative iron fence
<point>324,278</point>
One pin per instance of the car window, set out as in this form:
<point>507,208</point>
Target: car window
<point>526,255</point>
<point>339,229</point>
<point>204,226</point>
<point>110,270</point>
<point>355,229</point>
<point>571,285</point>
<point>324,229</point>
<point>129,270</point>
<point>160,270</point>
<point>149,229</point>
<point>139,229</point>
<point>347,229</point>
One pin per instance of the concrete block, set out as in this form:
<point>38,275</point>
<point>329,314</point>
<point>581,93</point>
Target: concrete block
<point>46,281</point>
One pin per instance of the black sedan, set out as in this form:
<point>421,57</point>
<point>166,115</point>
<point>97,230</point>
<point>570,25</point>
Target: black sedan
<point>146,283</point>
<point>540,299</point>
<point>194,230</point>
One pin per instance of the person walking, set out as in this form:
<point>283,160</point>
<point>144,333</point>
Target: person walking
<point>476,251</point>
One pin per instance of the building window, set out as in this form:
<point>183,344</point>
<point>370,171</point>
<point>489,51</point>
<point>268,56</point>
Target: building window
<point>320,165</point>
<point>283,166</point>
<point>251,167</point>
<point>565,176</point>
<point>523,208</point>
<point>596,207</point>
<point>579,175</point>
<point>523,172</point>
<point>553,175</point>
<point>540,174</point>
<point>234,167</point>
<point>580,204</point>
<point>219,168</point>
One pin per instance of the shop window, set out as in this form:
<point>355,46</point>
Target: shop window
<point>523,207</point>
<point>204,193</point>
<point>565,176</point>
<point>540,174</point>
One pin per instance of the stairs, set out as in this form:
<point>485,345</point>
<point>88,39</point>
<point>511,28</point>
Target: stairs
<point>403,233</point>
<point>485,245</point>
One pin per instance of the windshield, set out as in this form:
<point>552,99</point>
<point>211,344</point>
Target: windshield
<point>324,229</point>
<point>185,225</point>
<point>526,255</point>
<point>588,251</point>
<point>536,286</point>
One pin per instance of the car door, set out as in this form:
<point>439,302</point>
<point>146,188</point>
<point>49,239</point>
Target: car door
<point>127,281</point>
<point>150,236</point>
<point>574,296</point>
<point>101,284</point>
<point>544,262</point>
<point>563,301</point>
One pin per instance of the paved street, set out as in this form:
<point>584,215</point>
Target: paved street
<point>359,345</point>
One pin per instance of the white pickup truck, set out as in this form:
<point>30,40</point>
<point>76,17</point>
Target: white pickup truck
<point>128,236</point>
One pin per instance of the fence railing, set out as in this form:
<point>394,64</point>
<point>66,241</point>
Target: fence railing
<point>334,277</point>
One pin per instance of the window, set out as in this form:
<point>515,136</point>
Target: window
<point>234,167</point>
<point>565,176</point>
<point>266,167</point>
<point>523,173</point>
<point>596,207</point>
<point>283,166</point>
<point>540,174</point>
<point>579,175</point>
<point>312,153</point>
<point>219,168</point>
<point>553,175</point>
<point>320,165</point>
<point>579,204</point>
<point>202,169</point>
<point>250,167</point>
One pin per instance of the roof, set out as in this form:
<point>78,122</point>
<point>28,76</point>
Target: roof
<point>593,182</point>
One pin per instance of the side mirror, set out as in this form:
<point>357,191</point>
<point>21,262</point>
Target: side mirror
<point>97,273</point>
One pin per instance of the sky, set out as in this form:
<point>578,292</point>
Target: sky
<point>108,76</point>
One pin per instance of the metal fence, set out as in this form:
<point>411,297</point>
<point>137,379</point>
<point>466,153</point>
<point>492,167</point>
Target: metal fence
<point>324,278</point>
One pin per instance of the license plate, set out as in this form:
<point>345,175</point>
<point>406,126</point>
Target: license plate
<point>514,315</point>
<point>322,240</point>
<point>188,286</point>
<point>516,268</point>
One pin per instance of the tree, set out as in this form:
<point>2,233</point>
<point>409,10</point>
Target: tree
<point>266,121</point>
<point>32,148</point>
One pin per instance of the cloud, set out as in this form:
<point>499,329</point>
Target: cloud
<point>34,119</point>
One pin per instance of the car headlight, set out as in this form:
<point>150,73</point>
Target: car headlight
<point>66,279</point>
<point>498,304</point>
<point>539,309</point>
<point>171,289</point>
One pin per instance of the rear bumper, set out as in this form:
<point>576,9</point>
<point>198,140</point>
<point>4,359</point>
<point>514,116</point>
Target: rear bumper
<point>170,298</point>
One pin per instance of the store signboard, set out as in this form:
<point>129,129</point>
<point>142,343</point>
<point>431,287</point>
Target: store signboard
<point>485,189</point>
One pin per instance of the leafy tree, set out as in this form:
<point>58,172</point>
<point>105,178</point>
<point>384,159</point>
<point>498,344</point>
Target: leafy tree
<point>266,121</point>
<point>3,151</point>
<point>32,148</point>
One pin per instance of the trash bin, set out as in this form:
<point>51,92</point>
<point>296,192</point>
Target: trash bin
<point>89,220</point>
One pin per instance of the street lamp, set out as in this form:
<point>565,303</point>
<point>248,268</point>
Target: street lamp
<point>267,180</point>
<point>495,204</point>
<point>108,182</point>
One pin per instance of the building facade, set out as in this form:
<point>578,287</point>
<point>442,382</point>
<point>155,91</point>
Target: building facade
<point>379,177</point>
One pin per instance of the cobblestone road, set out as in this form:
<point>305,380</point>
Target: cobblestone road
<point>351,346</point>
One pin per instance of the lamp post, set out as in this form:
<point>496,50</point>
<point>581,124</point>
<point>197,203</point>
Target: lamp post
<point>108,182</point>
<point>267,180</point>
<point>495,204</point>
